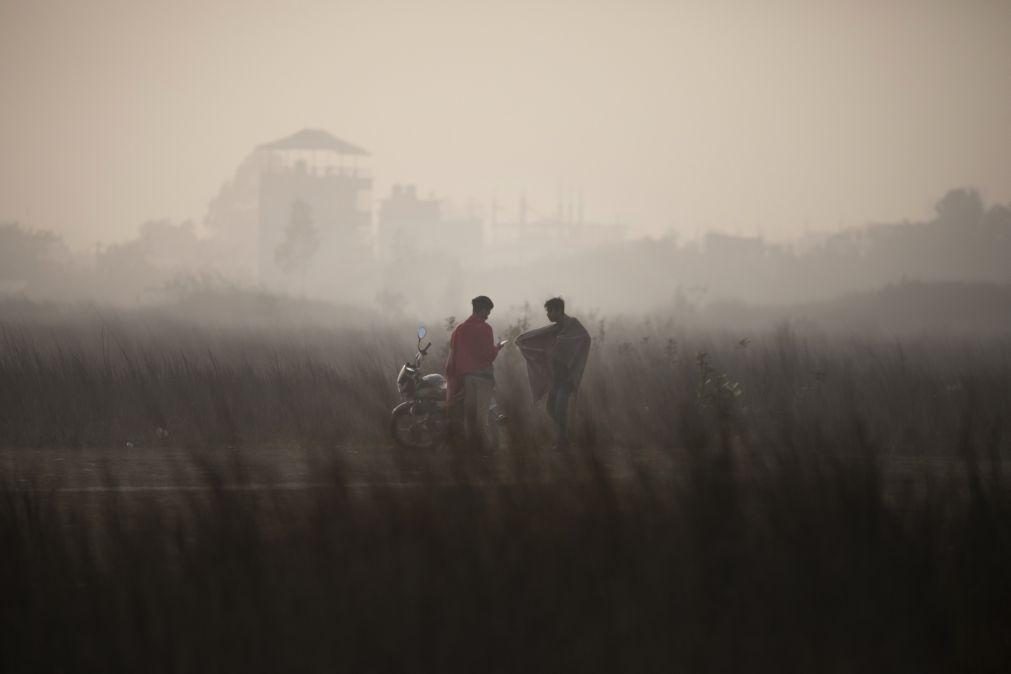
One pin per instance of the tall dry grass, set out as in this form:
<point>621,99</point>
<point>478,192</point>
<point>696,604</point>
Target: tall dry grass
<point>731,504</point>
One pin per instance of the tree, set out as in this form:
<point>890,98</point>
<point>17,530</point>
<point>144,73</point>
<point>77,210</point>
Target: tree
<point>961,207</point>
<point>30,256</point>
<point>301,240</point>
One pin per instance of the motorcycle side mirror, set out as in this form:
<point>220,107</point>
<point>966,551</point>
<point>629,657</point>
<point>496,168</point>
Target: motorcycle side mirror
<point>421,332</point>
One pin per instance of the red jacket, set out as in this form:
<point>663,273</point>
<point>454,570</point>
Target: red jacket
<point>471,348</point>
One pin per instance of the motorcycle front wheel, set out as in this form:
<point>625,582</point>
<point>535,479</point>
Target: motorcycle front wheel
<point>413,430</point>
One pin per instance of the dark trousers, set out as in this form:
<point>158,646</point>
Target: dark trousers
<point>477,393</point>
<point>558,409</point>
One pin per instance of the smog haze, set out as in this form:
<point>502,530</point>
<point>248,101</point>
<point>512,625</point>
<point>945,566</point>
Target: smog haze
<point>771,118</point>
<point>508,336</point>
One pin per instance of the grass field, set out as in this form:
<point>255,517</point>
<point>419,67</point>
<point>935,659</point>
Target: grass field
<point>193,497</point>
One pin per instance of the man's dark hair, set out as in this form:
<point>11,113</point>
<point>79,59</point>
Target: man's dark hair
<point>482,302</point>
<point>555,303</point>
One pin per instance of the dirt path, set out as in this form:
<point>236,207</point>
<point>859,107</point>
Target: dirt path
<point>155,470</point>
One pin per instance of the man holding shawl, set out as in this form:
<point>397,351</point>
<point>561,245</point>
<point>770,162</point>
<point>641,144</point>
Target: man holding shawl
<point>556,357</point>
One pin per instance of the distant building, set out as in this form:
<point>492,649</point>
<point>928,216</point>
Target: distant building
<point>314,206</point>
<point>298,210</point>
<point>532,236</point>
<point>298,216</point>
<point>404,221</point>
<point>410,225</point>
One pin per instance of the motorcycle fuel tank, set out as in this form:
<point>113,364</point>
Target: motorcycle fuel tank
<point>432,386</point>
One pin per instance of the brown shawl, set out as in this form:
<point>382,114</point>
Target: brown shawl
<point>555,353</point>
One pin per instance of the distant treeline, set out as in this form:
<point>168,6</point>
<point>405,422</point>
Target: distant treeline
<point>965,241</point>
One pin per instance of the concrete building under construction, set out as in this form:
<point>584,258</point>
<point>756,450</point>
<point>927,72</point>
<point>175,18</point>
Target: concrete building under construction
<point>308,198</point>
<point>410,225</point>
<point>314,206</point>
<point>298,216</point>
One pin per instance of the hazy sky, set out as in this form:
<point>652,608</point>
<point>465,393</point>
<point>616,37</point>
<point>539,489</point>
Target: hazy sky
<point>745,116</point>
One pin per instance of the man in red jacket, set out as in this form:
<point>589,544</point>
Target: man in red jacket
<point>470,377</point>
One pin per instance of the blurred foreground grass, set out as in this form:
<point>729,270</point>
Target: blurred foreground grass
<point>726,509</point>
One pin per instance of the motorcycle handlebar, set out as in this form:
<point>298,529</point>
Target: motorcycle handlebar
<point>422,352</point>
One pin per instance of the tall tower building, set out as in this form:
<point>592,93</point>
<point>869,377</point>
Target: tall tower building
<point>314,207</point>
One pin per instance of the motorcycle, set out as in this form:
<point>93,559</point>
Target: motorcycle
<point>421,420</point>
